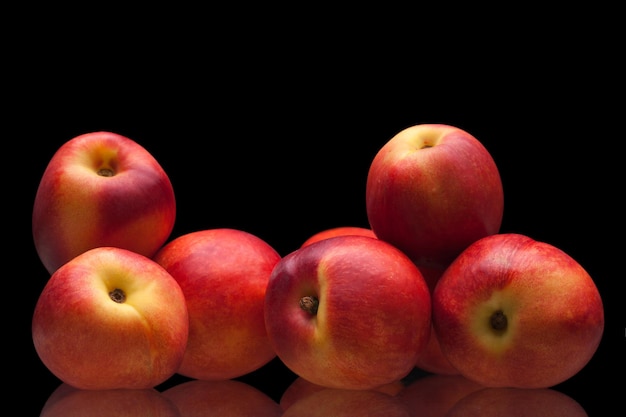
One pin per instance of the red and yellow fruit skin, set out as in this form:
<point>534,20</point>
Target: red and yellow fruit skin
<point>339,231</point>
<point>223,273</point>
<point>373,318</point>
<point>431,191</point>
<point>76,209</point>
<point>432,358</point>
<point>555,316</point>
<point>89,341</point>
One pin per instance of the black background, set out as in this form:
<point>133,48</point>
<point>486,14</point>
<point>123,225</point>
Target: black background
<point>276,138</point>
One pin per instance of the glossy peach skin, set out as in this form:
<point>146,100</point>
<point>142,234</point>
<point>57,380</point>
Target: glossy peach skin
<point>431,359</point>
<point>111,318</point>
<point>77,207</point>
<point>339,231</point>
<point>225,398</point>
<point>67,401</point>
<point>511,311</point>
<point>432,190</point>
<point>223,273</point>
<point>373,317</point>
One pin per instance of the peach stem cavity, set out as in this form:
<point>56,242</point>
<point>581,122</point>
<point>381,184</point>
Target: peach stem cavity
<point>309,304</point>
<point>118,296</point>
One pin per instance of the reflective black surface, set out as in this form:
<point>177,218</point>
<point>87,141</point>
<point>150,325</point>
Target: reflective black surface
<point>420,393</point>
<point>283,155</point>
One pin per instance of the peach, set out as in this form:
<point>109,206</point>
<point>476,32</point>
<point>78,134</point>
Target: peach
<point>432,190</point>
<point>339,231</point>
<point>511,311</point>
<point>111,318</point>
<point>101,189</point>
<point>223,274</point>
<point>348,312</point>
<point>432,358</point>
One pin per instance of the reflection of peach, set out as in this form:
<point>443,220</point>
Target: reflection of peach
<point>298,389</point>
<point>434,395</point>
<point>301,387</point>
<point>392,388</point>
<point>227,398</point>
<point>347,403</point>
<point>69,401</point>
<point>517,402</point>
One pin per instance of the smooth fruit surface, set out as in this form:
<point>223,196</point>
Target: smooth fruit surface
<point>339,231</point>
<point>511,311</point>
<point>432,358</point>
<point>111,318</point>
<point>223,274</point>
<point>431,191</point>
<point>101,189</point>
<point>348,312</point>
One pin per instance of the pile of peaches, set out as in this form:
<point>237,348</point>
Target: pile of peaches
<point>431,284</point>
